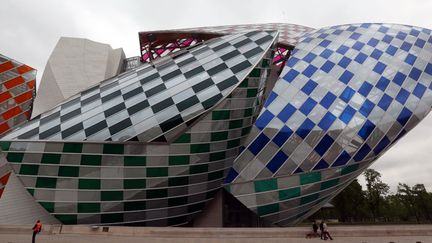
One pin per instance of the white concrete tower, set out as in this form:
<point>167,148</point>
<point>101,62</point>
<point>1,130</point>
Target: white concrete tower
<point>74,65</point>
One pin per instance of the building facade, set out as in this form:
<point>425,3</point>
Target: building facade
<point>18,88</point>
<point>280,118</point>
<point>74,65</point>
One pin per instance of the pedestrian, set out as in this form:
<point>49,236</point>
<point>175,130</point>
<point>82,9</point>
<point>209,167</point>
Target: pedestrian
<point>314,232</point>
<point>326,233</point>
<point>321,228</point>
<point>315,228</point>
<point>36,230</point>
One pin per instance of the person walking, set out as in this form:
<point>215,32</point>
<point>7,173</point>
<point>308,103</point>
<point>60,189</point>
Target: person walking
<point>314,232</point>
<point>326,233</point>
<point>315,228</point>
<point>36,230</point>
<point>321,228</point>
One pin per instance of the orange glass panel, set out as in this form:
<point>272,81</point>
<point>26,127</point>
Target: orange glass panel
<point>24,97</point>
<point>11,113</point>
<point>6,66</point>
<point>23,69</point>
<point>5,178</point>
<point>14,82</point>
<point>4,127</point>
<point>31,84</point>
<point>4,96</point>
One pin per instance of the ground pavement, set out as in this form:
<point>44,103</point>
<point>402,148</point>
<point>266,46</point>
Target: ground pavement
<point>341,234</point>
<point>67,238</point>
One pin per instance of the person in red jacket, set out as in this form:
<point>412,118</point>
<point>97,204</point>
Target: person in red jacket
<point>36,229</point>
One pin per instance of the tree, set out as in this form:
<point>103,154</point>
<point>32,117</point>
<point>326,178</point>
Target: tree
<point>422,201</point>
<point>376,190</point>
<point>355,205</point>
<point>350,203</point>
<point>407,197</point>
<point>395,209</point>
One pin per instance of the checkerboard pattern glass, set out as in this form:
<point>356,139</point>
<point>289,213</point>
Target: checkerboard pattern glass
<point>156,101</point>
<point>159,183</point>
<point>346,95</point>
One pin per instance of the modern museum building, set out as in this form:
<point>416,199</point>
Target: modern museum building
<point>246,125</point>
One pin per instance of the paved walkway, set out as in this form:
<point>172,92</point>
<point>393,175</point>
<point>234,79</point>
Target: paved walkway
<point>68,238</point>
<point>341,234</point>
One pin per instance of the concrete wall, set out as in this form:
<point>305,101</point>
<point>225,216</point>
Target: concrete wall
<point>212,214</point>
<point>17,206</point>
<point>74,65</point>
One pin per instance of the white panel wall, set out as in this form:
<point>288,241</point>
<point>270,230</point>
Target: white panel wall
<point>17,206</point>
<point>74,65</point>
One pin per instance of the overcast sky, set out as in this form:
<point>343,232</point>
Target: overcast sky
<point>30,30</point>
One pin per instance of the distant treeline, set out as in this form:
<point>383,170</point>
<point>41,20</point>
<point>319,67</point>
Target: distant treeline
<point>375,203</point>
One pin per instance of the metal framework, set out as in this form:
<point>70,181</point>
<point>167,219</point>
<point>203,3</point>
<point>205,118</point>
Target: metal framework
<point>158,44</point>
<point>154,45</point>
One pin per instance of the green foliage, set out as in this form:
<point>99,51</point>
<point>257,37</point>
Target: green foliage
<point>376,205</point>
<point>416,201</point>
<point>350,204</point>
<point>376,190</point>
